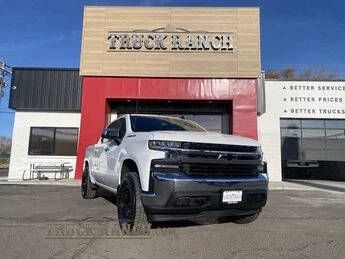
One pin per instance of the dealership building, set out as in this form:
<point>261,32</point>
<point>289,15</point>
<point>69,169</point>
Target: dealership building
<point>302,131</point>
<point>199,63</point>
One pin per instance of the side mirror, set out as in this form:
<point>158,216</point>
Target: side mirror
<point>111,134</point>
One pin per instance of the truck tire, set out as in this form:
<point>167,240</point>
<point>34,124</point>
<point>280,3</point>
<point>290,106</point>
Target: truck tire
<point>88,189</point>
<point>246,219</point>
<point>130,210</point>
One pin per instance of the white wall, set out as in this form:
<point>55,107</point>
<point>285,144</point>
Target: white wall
<point>20,160</point>
<point>269,132</point>
<point>296,99</point>
<point>113,116</point>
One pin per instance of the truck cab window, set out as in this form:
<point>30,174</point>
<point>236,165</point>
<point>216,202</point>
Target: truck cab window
<point>119,124</point>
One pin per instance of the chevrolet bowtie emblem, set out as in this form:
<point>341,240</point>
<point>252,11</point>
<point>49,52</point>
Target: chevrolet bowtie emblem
<point>226,156</point>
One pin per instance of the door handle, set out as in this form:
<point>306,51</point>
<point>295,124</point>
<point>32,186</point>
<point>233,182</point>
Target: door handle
<point>106,149</point>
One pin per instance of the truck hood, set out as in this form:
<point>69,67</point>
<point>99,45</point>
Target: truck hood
<point>203,137</point>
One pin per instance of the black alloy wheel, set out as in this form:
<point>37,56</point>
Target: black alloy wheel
<point>131,212</point>
<point>88,190</point>
<point>127,204</point>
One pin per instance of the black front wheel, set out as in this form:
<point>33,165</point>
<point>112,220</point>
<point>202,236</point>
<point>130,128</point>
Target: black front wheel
<point>131,212</point>
<point>88,190</point>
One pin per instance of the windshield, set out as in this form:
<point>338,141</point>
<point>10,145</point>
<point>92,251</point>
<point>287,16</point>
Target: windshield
<point>147,123</point>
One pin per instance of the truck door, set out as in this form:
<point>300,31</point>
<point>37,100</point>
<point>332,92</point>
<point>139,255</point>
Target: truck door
<point>111,154</point>
<point>96,168</point>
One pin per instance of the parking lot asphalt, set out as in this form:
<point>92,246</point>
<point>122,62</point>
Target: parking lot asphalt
<point>44,221</point>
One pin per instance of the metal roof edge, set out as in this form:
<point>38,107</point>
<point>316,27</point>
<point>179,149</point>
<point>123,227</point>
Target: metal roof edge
<point>46,68</point>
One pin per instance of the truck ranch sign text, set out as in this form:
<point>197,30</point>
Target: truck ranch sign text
<point>171,42</point>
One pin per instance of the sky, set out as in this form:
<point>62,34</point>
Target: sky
<point>41,33</point>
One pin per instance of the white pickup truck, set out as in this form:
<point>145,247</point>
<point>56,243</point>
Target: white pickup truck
<point>166,168</point>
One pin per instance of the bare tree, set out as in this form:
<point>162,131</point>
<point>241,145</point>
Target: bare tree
<point>272,74</point>
<point>4,72</point>
<point>310,73</point>
<point>5,145</point>
<point>318,73</point>
<point>288,73</point>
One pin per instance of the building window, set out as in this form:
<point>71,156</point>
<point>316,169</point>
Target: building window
<point>53,141</point>
<point>312,139</point>
<point>290,124</point>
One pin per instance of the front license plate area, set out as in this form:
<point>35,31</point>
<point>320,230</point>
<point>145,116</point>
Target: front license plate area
<point>232,197</point>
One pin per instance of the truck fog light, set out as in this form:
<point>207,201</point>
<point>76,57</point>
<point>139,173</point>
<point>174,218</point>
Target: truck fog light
<point>182,201</point>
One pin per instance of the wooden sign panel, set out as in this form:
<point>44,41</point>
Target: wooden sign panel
<point>171,42</point>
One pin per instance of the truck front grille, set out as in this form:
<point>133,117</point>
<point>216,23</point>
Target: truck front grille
<point>222,147</point>
<point>211,160</point>
<point>219,170</point>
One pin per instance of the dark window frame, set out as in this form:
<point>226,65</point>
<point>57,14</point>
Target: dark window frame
<point>54,140</point>
<point>225,118</point>
<point>223,108</point>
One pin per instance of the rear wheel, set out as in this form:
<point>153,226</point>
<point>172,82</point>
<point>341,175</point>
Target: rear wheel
<point>88,189</point>
<point>131,212</point>
<point>246,219</point>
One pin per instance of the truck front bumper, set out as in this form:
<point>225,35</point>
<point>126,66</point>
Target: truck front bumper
<point>175,196</point>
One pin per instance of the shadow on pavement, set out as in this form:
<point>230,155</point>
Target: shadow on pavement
<point>319,185</point>
<point>110,197</point>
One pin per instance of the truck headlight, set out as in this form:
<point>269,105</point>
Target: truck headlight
<point>163,144</point>
<point>261,167</point>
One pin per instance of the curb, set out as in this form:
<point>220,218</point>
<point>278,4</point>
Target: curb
<point>37,182</point>
<point>273,186</point>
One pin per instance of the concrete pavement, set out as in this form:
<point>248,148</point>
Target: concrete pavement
<point>294,224</point>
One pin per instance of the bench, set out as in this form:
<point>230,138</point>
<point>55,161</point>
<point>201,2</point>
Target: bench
<point>39,171</point>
